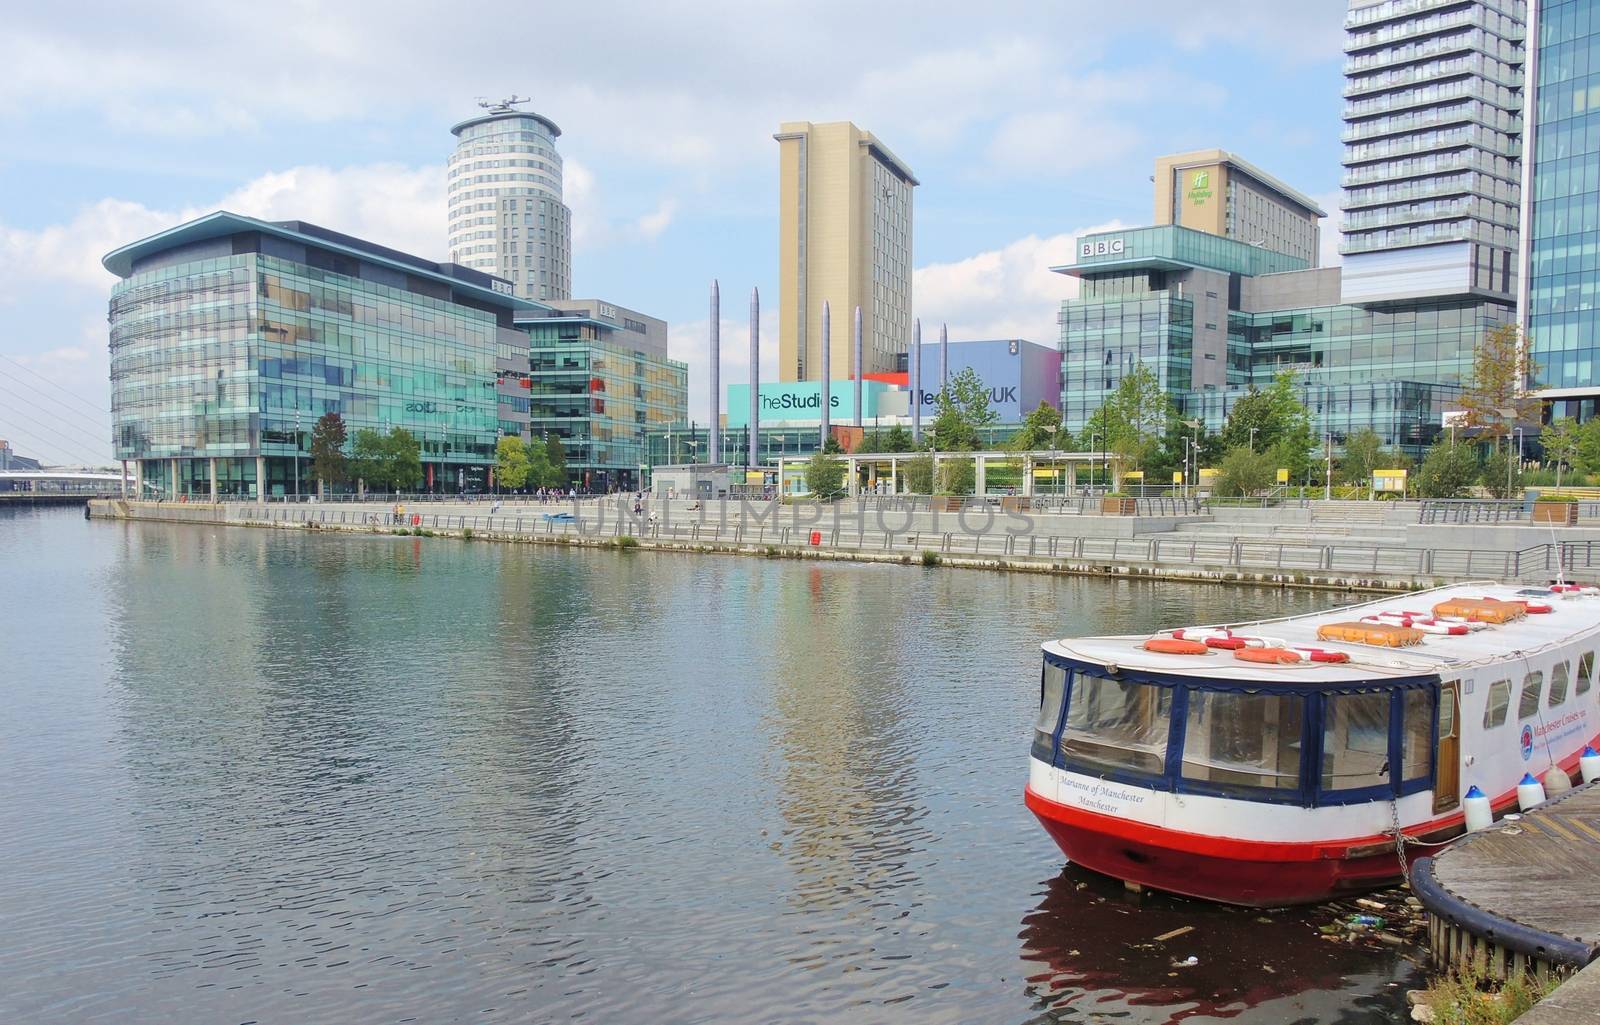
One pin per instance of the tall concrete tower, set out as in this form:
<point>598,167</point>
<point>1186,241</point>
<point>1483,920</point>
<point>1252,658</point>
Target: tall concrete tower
<point>506,214</point>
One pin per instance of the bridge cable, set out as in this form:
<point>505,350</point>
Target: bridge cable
<point>56,386</point>
<point>68,424</point>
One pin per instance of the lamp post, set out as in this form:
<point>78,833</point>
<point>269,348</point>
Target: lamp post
<point>1194,451</point>
<point>1094,440</point>
<point>297,455</point>
<point>1253,431</point>
<point>1511,418</point>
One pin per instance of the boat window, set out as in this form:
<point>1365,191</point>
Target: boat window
<point>1416,734</point>
<point>1585,673</point>
<point>1243,740</point>
<point>1050,688</point>
<point>1494,713</point>
<point>1355,740</point>
<point>1558,685</point>
<point>1528,705</point>
<point>1113,724</point>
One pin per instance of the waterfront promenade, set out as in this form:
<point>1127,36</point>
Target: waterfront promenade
<point>1519,897</point>
<point>1378,546</point>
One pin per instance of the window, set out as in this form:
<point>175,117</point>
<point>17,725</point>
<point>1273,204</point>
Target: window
<point>1243,740</point>
<point>1355,741</point>
<point>1114,724</point>
<point>1558,684</point>
<point>1051,686</point>
<point>1528,705</point>
<point>1585,673</point>
<point>1416,734</point>
<point>1494,713</point>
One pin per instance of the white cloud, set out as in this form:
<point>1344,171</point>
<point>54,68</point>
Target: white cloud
<point>396,206</point>
<point>655,222</point>
<point>1328,252</point>
<point>1001,293</point>
<point>690,342</point>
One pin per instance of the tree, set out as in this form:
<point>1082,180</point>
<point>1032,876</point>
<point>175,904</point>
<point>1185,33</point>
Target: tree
<point>832,446</point>
<point>918,474</point>
<point>511,463</point>
<point>895,439</point>
<point>1272,419</point>
<point>328,463</point>
<point>1039,429</point>
<point>963,410</point>
<point>1244,472</point>
<point>825,476</point>
<point>1588,455</point>
<point>1498,398</point>
<point>555,475</point>
<point>369,459</point>
<point>1131,420</point>
<point>1364,452</point>
<point>958,477</point>
<point>1501,476</point>
<point>1447,470</point>
<point>1560,441</point>
<point>403,453</point>
<point>538,463</point>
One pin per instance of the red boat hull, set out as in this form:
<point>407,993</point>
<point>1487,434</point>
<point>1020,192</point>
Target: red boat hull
<point>1250,873</point>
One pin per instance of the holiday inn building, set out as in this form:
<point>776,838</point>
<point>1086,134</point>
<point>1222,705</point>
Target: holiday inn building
<point>230,337</point>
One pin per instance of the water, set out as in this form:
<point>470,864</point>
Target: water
<point>260,776</point>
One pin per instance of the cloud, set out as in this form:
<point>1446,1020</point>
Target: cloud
<point>654,223</point>
<point>396,206</point>
<point>1328,252</point>
<point>690,342</point>
<point>1008,292</point>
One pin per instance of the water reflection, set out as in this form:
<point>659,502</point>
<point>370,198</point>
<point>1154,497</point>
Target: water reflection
<point>1092,950</point>
<point>260,775</point>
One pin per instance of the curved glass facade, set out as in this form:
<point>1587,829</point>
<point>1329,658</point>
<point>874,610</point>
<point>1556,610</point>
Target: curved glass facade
<point>223,364</point>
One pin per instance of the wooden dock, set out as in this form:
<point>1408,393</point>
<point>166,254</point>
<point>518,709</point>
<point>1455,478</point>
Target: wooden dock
<point>1521,895</point>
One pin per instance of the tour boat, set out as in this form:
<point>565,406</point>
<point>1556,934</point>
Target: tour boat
<point>1281,762</point>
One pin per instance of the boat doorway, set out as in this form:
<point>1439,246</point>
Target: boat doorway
<point>1447,785</point>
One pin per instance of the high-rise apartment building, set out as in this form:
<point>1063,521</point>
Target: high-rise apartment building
<point>1560,301</point>
<point>844,237</point>
<point>506,215</point>
<point>1433,146</point>
<point>1216,192</point>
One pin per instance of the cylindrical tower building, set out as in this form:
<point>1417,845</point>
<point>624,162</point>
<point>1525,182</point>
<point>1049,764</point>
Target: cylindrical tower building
<point>506,216</point>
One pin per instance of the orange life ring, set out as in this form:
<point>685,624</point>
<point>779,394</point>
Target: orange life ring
<point>1175,646</point>
<point>1229,643</point>
<point>1270,656</point>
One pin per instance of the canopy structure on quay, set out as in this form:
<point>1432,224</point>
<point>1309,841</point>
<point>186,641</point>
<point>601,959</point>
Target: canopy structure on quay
<point>1039,471</point>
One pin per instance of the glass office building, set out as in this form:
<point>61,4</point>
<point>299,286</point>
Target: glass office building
<point>1561,305</point>
<point>231,336</point>
<point>600,381</point>
<point>1213,317</point>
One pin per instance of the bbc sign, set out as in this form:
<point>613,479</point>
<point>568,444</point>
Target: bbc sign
<point>1101,247</point>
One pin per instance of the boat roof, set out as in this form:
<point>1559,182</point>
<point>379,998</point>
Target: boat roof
<point>1573,615</point>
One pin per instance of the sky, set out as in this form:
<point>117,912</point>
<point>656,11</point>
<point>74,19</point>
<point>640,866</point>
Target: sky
<point>1028,123</point>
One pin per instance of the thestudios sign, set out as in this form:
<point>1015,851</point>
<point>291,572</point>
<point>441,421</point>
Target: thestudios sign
<point>802,401</point>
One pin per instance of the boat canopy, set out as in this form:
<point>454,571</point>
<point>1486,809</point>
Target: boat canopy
<point>1310,744</point>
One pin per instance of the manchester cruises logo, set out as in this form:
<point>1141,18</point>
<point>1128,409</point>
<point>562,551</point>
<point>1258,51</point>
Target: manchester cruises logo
<point>1527,742</point>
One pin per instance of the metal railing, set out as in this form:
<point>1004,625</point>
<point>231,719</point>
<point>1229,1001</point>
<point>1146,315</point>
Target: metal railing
<point>1536,563</point>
